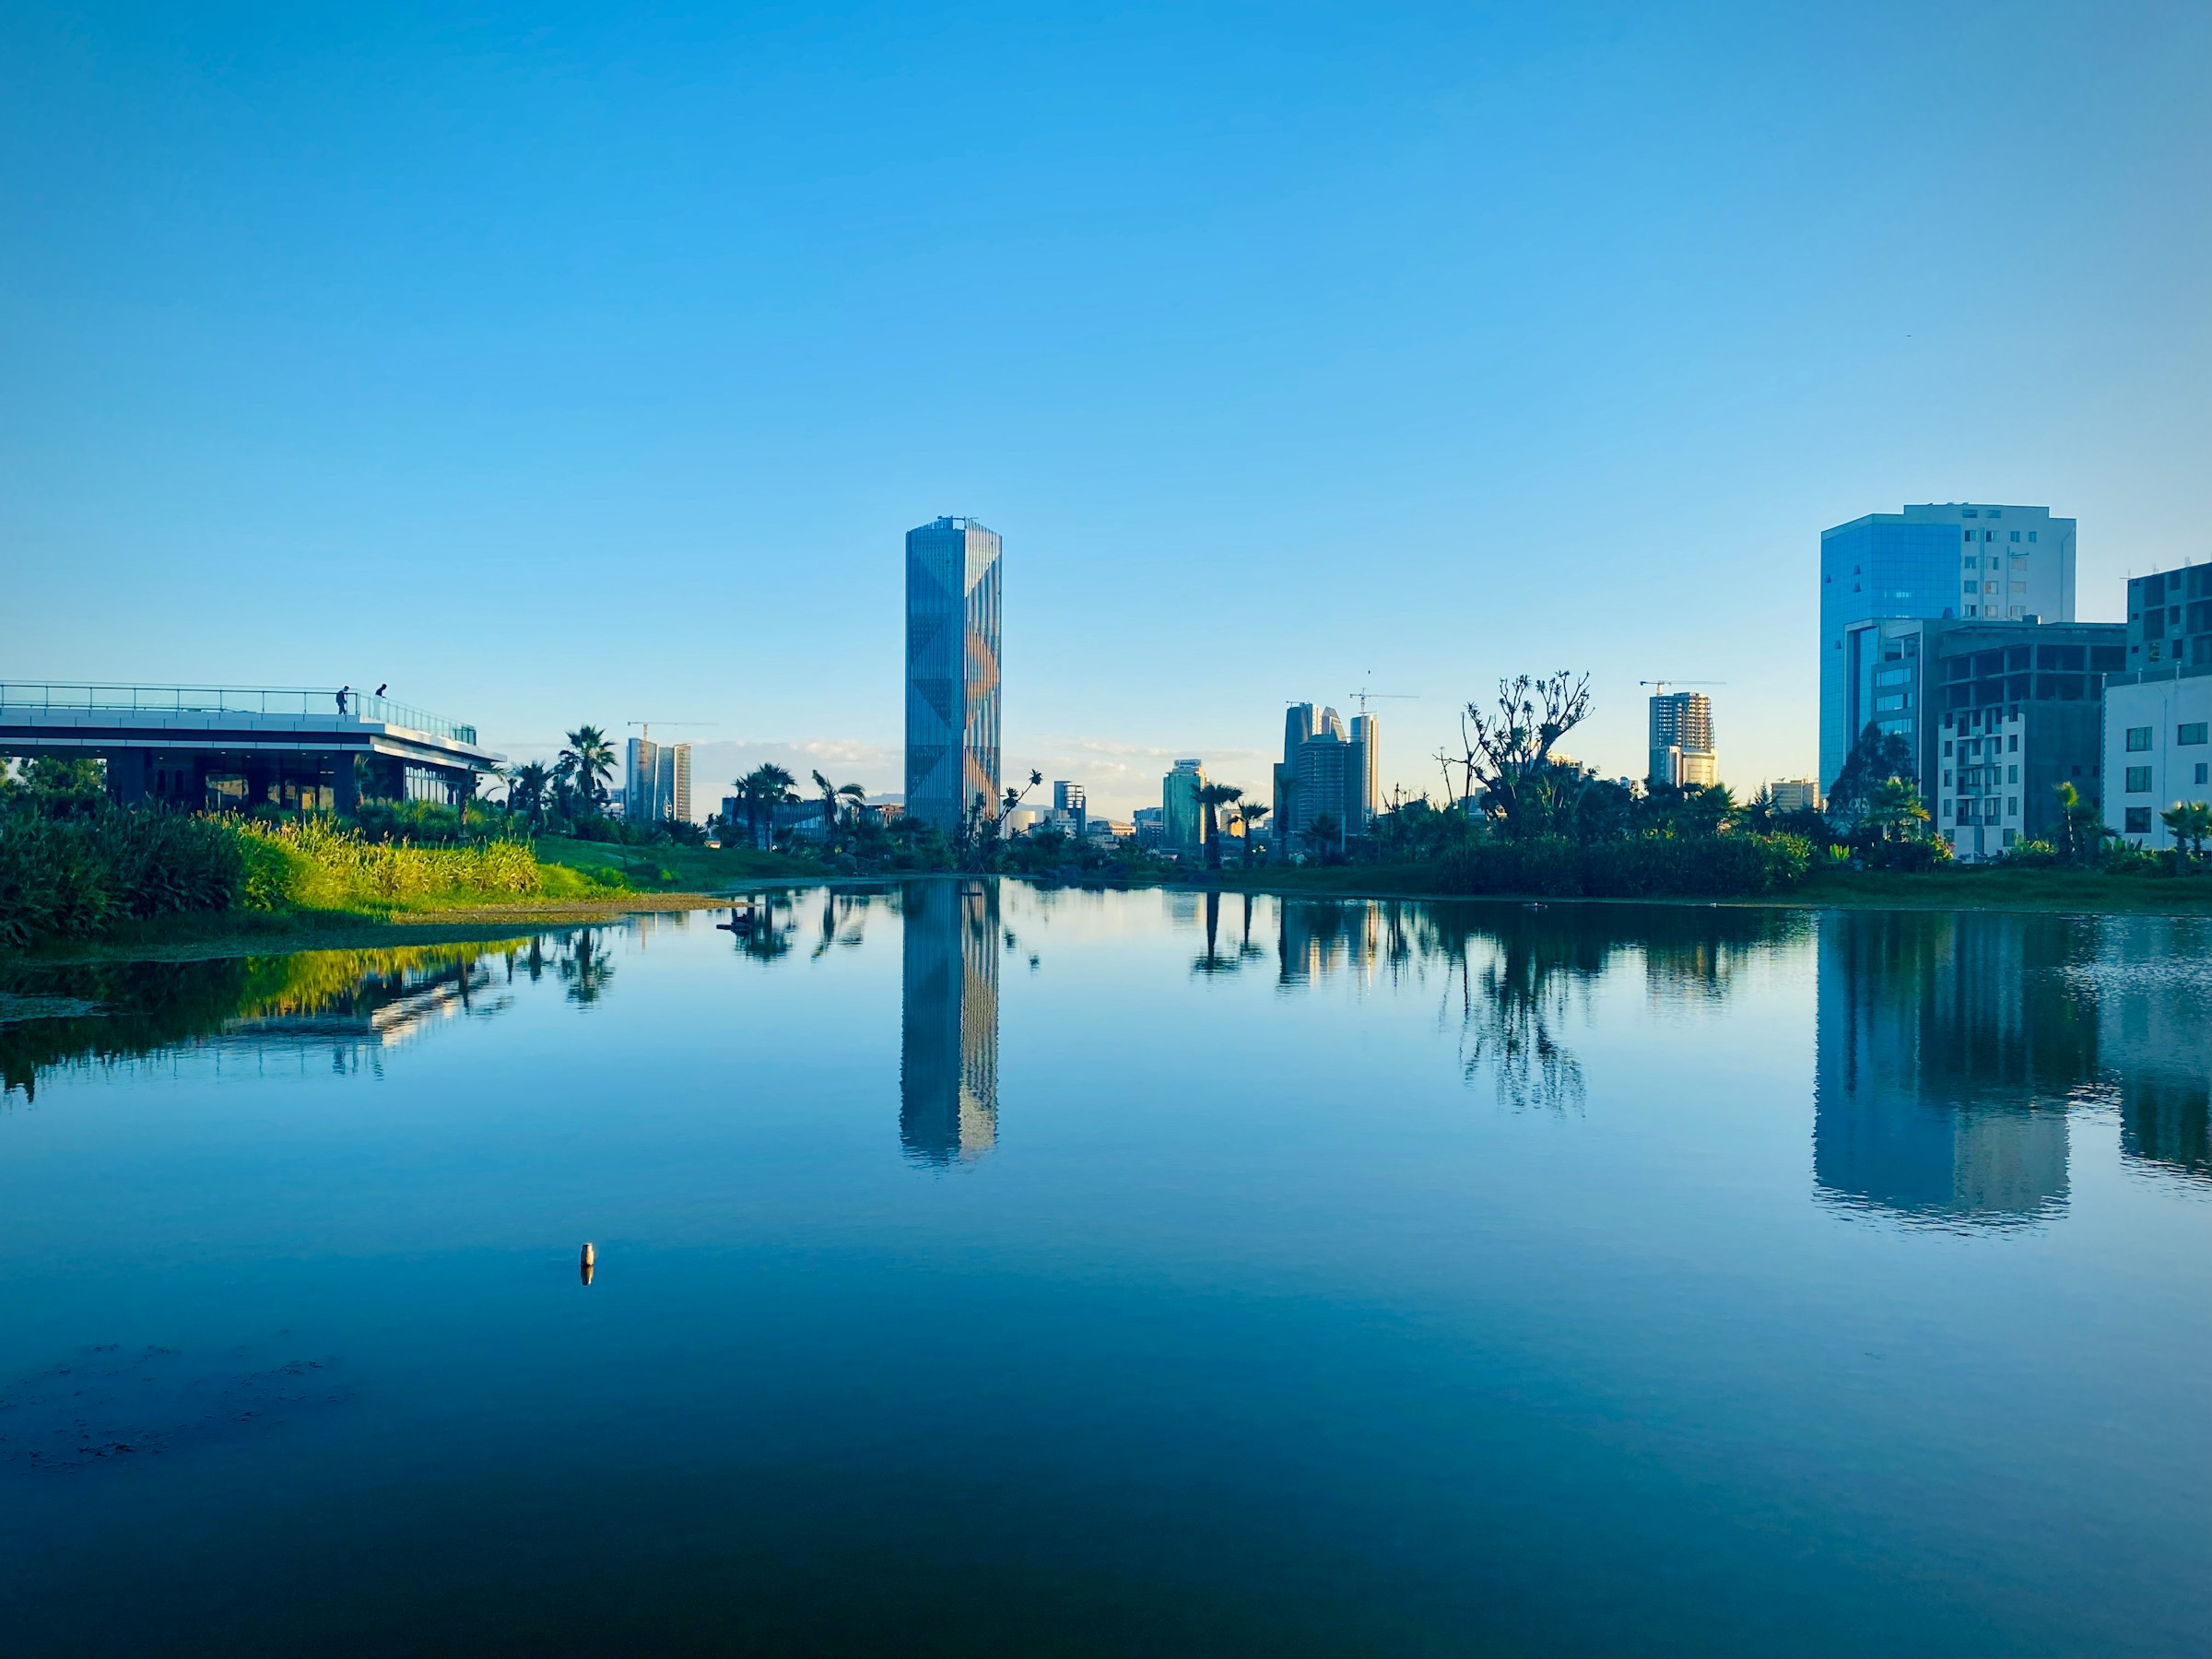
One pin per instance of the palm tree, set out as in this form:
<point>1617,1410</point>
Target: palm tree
<point>1894,810</point>
<point>1212,796</point>
<point>1321,833</point>
<point>834,796</point>
<point>526,789</point>
<point>585,765</point>
<point>2081,825</point>
<point>2189,822</point>
<point>765,788</point>
<point>1249,817</point>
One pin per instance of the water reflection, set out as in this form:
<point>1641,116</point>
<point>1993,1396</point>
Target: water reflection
<point>1954,1054</point>
<point>349,1003</point>
<point>949,1020</point>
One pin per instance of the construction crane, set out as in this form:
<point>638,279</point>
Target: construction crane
<point>1661,686</point>
<point>1363,697</point>
<point>645,726</point>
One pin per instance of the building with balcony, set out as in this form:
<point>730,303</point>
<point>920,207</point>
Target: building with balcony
<point>1681,741</point>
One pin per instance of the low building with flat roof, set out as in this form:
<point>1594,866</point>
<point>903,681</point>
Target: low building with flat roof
<point>215,747</point>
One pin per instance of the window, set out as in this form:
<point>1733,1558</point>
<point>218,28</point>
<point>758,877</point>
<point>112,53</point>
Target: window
<point>2192,733</point>
<point>1972,513</point>
<point>2016,535</point>
<point>2012,807</point>
<point>2015,778</point>
<point>2015,743</point>
<point>2138,780</point>
<point>1946,744</point>
<point>2139,739</point>
<point>2202,771</point>
<point>1947,779</point>
<point>2030,535</point>
<point>2009,834</point>
<point>2138,820</point>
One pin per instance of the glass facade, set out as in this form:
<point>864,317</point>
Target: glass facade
<point>952,678</point>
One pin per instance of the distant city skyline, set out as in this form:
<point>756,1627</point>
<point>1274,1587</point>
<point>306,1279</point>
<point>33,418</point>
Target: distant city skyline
<point>626,343</point>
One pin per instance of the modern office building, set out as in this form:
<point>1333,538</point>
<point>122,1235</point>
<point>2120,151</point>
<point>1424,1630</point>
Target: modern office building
<point>1997,714</point>
<point>1969,562</point>
<point>952,679</point>
<point>1795,795</point>
<point>656,781</point>
<point>1069,806</point>
<point>1326,770</point>
<point>1681,741</point>
<point>232,747</point>
<point>1149,825</point>
<point>948,1025</point>
<point>1181,821</point>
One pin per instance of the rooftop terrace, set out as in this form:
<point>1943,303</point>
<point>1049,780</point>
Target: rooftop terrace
<point>319,704</point>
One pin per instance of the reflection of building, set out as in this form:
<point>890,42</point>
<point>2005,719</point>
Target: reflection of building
<point>1948,1048</point>
<point>949,1035</point>
<point>951,670</point>
<point>2154,1036</point>
<point>1315,938</point>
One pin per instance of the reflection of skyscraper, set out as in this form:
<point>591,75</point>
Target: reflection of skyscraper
<point>2154,1036</point>
<point>948,1037</point>
<point>951,670</point>
<point>1948,1048</point>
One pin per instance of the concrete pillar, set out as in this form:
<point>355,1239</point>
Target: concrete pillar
<point>346,796</point>
<point>130,776</point>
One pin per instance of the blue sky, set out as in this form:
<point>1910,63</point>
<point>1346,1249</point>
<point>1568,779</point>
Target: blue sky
<point>589,365</point>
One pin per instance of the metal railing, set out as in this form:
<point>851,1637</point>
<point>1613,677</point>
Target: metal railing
<point>311,702</point>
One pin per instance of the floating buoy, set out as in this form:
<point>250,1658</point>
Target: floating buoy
<point>590,1259</point>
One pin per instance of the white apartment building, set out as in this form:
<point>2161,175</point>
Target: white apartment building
<point>2156,723</point>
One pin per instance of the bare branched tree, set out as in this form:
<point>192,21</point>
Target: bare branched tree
<point>1508,753</point>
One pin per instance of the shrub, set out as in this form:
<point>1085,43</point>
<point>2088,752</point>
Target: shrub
<point>2031,855</point>
<point>1907,857</point>
<point>69,876</point>
<point>1644,867</point>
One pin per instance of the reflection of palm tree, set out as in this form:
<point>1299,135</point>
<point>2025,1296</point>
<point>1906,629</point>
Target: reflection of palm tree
<point>585,967</point>
<point>1213,961</point>
<point>1507,1027</point>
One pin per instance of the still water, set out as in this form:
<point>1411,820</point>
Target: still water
<point>985,1270</point>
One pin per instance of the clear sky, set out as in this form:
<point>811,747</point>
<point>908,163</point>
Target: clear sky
<point>590,365</point>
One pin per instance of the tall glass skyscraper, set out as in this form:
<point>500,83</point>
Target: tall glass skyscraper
<point>951,670</point>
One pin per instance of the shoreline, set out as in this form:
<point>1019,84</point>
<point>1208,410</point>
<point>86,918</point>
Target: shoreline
<point>187,938</point>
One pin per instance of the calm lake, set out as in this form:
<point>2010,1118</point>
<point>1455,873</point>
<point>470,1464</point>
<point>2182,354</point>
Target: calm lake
<point>986,1270</point>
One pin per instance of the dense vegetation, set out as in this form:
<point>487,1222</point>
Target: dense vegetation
<point>73,865</point>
